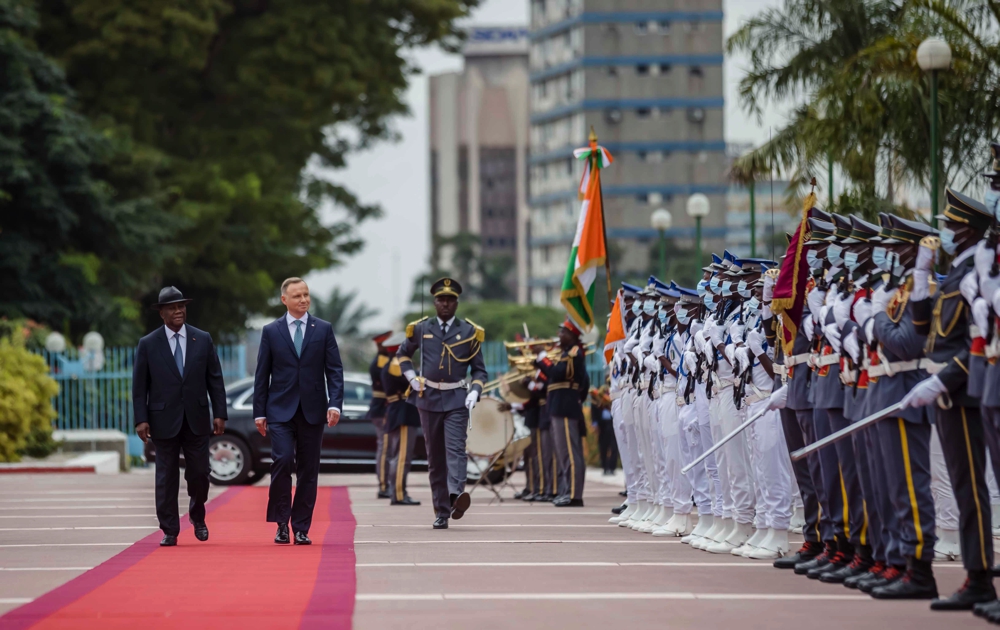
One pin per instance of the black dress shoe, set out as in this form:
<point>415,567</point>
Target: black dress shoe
<point>621,508</point>
<point>545,498</point>
<point>201,531</point>
<point>441,523</point>
<point>803,568</point>
<point>168,541</point>
<point>873,572</point>
<point>623,493</point>
<point>917,583</point>
<point>889,576</point>
<point>530,497</point>
<point>984,610</point>
<point>995,571</point>
<point>807,552</point>
<point>522,494</point>
<point>281,537</point>
<point>460,505</point>
<point>406,501</point>
<point>978,589</point>
<point>384,494</point>
<point>858,566</point>
<point>302,539</point>
<point>837,562</point>
<point>568,503</point>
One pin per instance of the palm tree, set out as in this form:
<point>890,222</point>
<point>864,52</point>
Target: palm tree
<point>339,309</point>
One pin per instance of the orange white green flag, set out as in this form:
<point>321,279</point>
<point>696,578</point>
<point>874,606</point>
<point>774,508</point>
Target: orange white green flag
<point>616,328</point>
<point>589,248</point>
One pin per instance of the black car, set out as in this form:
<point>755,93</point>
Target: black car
<point>242,454</point>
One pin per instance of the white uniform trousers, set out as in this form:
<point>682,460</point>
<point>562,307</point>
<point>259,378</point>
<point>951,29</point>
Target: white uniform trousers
<point>679,485</point>
<point>774,468</point>
<point>659,448</point>
<point>701,407</point>
<point>618,424</point>
<point>639,423</point>
<point>636,483</point>
<point>734,461</point>
<point>691,447</point>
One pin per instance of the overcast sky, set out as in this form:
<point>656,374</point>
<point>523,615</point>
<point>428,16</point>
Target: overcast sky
<point>396,175</point>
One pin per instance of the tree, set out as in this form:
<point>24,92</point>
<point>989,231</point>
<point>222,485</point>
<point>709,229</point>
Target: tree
<point>347,317</point>
<point>70,252</point>
<point>503,321</point>
<point>222,105</point>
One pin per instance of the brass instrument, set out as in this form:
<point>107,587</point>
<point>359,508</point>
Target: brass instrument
<point>522,365</point>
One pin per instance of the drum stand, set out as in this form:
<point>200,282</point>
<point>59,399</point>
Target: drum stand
<point>484,473</point>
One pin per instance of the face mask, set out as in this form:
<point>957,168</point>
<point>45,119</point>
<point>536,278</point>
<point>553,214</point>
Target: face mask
<point>663,316</point>
<point>753,304</point>
<point>742,289</point>
<point>879,258</point>
<point>948,243</point>
<point>813,259</point>
<point>833,253</point>
<point>635,307</point>
<point>727,288</point>
<point>702,288</point>
<point>683,317</point>
<point>714,284</point>
<point>851,260</point>
<point>992,201</point>
<point>710,303</point>
<point>648,307</point>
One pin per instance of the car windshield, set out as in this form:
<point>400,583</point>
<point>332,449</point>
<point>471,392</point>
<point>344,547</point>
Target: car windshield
<point>355,392</point>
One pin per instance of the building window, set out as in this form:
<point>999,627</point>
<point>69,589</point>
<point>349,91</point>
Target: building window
<point>641,28</point>
<point>696,71</point>
<point>664,27</point>
<point>642,198</point>
<point>569,166</point>
<point>643,112</point>
<point>612,71</point>
<point>642,69</point>
<point>664,68</point>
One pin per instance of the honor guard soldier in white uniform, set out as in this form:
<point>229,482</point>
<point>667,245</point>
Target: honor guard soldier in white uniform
<point>450,350</point>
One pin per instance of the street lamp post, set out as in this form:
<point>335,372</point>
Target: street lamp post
<point>697,208</point>
<point>934,55</point>
<point>661,220</point>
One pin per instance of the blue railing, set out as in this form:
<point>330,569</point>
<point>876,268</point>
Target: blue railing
<point>96,392</point>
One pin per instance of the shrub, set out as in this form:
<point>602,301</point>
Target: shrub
<point>26,392</point>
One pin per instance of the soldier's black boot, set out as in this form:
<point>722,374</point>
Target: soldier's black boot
<point>987,609</point>
<point>807,552</point>
<point>917,583</point>
<point>978,589</point>
<point>839,561</point>
<point>859,565</point>
<point>873,572</point>
<point>890,575</point>
<point>829,550</point>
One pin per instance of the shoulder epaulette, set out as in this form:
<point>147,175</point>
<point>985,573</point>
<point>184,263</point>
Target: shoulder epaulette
<point>394,367</point>
<point>411,326</point>
<point>381,361</point>
<point>480,331</point>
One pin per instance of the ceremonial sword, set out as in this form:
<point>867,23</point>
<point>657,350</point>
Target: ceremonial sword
<point>846,431</point>
<point>724,440</point>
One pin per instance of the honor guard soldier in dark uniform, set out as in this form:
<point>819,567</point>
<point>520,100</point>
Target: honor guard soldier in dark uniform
<point>376,413</point>
<point>539,459</point>
<point>401,423</point>
<point>568,386</point>
<point>906,438</point>
<point>450,349</point>
<point>944,321</point>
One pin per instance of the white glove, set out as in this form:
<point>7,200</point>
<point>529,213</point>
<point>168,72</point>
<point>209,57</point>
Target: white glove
<point>768,288</point>
<point>736,331</point>
<point>823,312</point>
<point>651,363</point>
<point>862,310</point>
<point>756,339</point>
<point>807,327</point>
<point>815,301</point>
<point>730,351</point>
<point>870,330</point>
<point>995,301</point>
<point>636,354</point>
<point>924,393</point>
<point>881,299</point>
<point>852,346</point>
<point>988,286</point>
<point>699,341</point>
<point>969,287</point>
<point>832,334</point>
<point>715,333</point>
<point>778,398</point>
<point>471,399</point>
<point>696,327</point>
<point>984,258</point>
<point>541,355</point>
<point>742,356</point>
<point>842,309</point>
<point>517,406</point>
<point>925,259</point>
<point>981,316</point>
<point>690,362</point>
<point>416,384</point>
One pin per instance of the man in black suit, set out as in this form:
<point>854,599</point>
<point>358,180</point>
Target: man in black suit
<point>176,371</point>
<point>298,387</point>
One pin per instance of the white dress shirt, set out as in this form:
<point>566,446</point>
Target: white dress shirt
<point>446,324</point>
<point>290,322</point>
<point>173,342</point>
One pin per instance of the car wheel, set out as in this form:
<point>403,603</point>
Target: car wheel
<point>229,460</point>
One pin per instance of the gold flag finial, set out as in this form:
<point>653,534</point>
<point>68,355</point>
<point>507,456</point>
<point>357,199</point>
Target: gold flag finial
<point>593,135</point>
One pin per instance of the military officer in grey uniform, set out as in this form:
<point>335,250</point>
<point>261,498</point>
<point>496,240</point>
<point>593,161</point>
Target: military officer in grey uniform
<point>944,321</point>
<point>450,349</point>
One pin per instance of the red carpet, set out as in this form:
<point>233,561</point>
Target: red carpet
<point>237,579</point>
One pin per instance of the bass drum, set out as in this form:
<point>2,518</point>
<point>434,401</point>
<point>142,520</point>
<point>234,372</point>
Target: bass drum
<point>491,429</point>
<point>512,389</point>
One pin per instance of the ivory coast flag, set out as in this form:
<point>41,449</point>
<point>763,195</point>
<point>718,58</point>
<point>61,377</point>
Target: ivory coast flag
<point>616,329</point>
<point>589,249</point>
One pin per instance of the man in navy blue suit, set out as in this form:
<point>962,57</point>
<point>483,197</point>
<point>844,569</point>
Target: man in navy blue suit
<point>298,388</point>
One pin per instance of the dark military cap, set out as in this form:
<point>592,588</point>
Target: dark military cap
<point>816,213</point>
<point>820,231</point>
<point>993,171</point>
<point>843,228</point>
<point>904,231</point>
<point>379,338</point>
<point>862,232</point>
<point>960,208</point>
<point>446,286</point>
<point>885,225</point>
<point>689,296</point>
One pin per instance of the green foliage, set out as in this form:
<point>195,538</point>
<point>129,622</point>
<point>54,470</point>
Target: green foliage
<point>347,316</point>
<point>486,278</point>
<point>26,391</point>
<point>504,320</point>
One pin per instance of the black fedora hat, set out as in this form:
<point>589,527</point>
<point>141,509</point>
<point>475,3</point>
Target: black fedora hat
<point>170,295</point>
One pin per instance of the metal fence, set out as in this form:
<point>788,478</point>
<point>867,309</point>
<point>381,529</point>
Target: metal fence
<point>95,391</point>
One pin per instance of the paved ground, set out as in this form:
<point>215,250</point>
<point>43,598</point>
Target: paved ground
<point>509,565</point>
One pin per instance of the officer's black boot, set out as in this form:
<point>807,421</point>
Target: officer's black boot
<point>873,572</point>
<point>807,552</point>
<point>859,566</point>
<point>890,575</point>
<point>978,589</point>
<point>820,560</point>
<point>986,609</point>
<point>918,583</point>
<point>844,557</point>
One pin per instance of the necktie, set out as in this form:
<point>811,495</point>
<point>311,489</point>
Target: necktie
<point>297,339</point>
<point>178,353</point>
<point>444,328</point>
